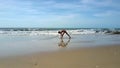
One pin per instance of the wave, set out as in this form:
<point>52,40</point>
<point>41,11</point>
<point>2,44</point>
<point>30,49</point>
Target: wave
<point>37,32</point>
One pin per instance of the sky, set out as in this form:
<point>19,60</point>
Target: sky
<point>60,13</point>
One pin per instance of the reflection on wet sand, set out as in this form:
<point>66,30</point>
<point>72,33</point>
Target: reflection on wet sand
<point>63,43</point>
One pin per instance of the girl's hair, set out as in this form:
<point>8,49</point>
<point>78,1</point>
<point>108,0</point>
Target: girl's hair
<point>59,32</point>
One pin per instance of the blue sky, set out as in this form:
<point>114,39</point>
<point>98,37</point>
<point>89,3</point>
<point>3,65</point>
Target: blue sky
<point>60,13</point>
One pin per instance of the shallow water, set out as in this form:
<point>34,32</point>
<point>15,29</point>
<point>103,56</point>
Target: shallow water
<point>95,40</point>
<point>21,45</point>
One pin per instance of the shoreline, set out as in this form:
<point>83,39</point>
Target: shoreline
<point>93,57</point>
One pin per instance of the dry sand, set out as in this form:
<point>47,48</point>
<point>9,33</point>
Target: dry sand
<point>94,57</point>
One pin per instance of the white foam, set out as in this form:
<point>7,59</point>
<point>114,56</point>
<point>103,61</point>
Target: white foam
<point>82,31</point>
<point>48,32</point>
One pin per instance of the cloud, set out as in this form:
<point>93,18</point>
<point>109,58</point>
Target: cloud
<point>53,7</point>
<point>17,8</point>
<point>96,3</point>
<point>52,11</point>
<point>100,4</point>
<point>107,13</point>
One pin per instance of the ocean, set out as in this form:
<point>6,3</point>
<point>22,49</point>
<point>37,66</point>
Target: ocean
<point>54,31</point>
<point>22,41</point>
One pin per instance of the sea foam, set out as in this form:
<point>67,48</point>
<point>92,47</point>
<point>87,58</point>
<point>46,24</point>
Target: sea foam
<point>37,32</point>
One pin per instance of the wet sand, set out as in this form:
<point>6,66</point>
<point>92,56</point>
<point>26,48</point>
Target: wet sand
<point>92,57</point>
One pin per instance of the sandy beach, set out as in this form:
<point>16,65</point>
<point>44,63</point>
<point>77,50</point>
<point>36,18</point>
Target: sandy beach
<point>82,51</point>
<point>95,57</point>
